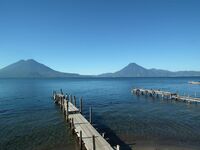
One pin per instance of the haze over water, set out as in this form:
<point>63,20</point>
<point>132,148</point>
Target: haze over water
<point>30,120</point>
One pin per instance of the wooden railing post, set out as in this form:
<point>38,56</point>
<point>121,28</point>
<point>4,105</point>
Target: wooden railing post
<point>61,91</point>
<point>67,110</point>
<point>103,135</point>
<point>54,95</point>
<point>64,109</point>
<point>56,98</point>
<point>90,115</point>
<point>93,141</point>
<point>66,96</point>
<point>80,141</point>
<point>118,147</point>
<point>72,125</point>
<point>71,98</point>
<point>81,105</point>
<point>75,101</point>
<point>60,100</point>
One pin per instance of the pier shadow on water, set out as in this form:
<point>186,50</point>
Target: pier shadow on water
<point>110,135</point>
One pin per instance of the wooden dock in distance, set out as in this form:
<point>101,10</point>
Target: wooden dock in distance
<point>165,95</point>
<point>87,135</point>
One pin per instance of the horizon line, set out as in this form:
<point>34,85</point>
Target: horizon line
<point>31,59</point>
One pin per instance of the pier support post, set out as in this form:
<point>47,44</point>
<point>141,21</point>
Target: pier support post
<point>61,91</point>
<point>71,98</point>
<point>67,111</point>
<point>64,109</point>
<point>93,141</point>
<point>66,96</point>
<point>63,100</point>
<point>54,98</point>
<point>90,115</point>
<point>72,125</point>
<point>60,100</point>
<point>57,99</point>
<point>75,101</point>
<point>170,96</point>
<point>81,105</point>
<point>54,95</point>
<point>80,141</point>
<point>103,135</point>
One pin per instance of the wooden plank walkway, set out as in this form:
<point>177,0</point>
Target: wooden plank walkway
<point>166,95</point>
<point>87,135</point>
<point>88,131</point>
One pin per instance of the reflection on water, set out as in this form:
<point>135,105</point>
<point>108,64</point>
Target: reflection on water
<point>30,120</point>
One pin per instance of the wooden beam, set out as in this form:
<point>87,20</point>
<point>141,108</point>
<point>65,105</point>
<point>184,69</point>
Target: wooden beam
<point>90,115</point>
<point>93,142</point>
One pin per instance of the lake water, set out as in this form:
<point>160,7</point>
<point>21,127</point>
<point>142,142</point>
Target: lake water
<point>29,120</point>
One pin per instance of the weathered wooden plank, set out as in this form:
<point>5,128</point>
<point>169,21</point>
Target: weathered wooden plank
<point>72,108</point>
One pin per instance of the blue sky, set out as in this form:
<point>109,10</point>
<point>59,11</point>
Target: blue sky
<point>92,37</point>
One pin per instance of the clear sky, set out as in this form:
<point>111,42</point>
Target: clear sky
<point>97,36</point>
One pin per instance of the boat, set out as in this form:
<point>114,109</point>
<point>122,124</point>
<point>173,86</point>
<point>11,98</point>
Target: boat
<point>194,82</point>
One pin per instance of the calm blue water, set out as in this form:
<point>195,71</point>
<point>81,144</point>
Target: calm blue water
<point>30,120</point>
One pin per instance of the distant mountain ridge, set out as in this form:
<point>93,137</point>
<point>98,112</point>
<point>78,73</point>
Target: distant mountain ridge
<point>134,70</point>
<point>31,69</point>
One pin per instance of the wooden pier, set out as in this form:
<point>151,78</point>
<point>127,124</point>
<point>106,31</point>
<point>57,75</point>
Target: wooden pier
<point>165,95</point>
<point>87,135</point>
